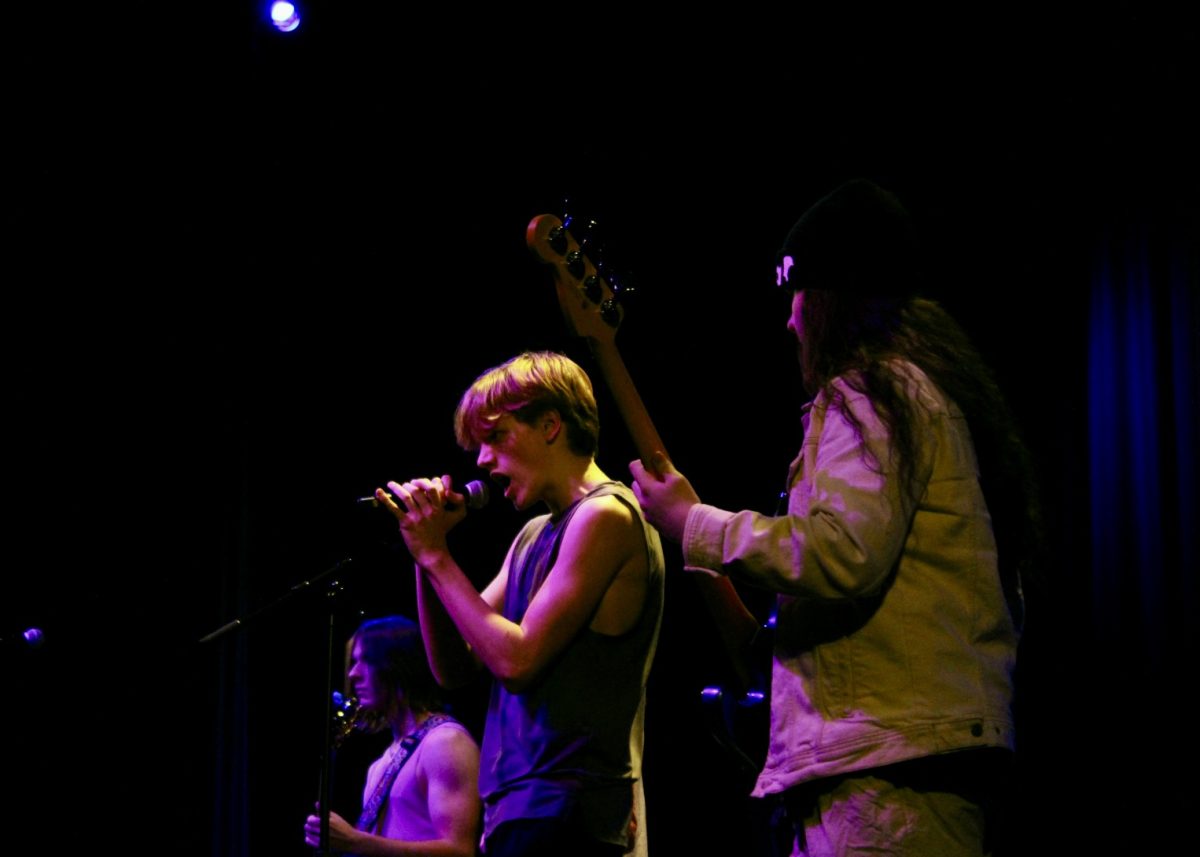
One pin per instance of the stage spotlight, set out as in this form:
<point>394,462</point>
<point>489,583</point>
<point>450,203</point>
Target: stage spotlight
<point>285,16</point>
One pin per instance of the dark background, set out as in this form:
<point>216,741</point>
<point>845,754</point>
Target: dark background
<point>248,276</point>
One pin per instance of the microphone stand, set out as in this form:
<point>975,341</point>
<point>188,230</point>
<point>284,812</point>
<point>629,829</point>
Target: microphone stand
<point>327,752</point>
<point>334,589</point>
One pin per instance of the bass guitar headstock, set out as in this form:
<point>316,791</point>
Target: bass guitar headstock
<point>588,295</point>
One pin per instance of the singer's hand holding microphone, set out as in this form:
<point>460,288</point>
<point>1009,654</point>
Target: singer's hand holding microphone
<point>476,496</point>
<point>427,509</point>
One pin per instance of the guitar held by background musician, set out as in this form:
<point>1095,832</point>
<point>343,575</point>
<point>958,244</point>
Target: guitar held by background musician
<point>421,795</point>
<point>910,523</point>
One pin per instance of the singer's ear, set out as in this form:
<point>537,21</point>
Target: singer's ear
<point>551,425</point>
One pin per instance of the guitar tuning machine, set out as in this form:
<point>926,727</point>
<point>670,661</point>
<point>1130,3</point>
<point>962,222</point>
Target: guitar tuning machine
<point>610,311</point>
<point>557,238</point>
<point>592,288</point>
<point>575,263</point>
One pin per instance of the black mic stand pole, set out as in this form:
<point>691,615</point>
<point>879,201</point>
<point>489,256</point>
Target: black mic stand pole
<point>335,588</point>
<point>323,849</point>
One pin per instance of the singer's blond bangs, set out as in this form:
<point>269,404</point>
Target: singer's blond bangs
<point>526,386</point>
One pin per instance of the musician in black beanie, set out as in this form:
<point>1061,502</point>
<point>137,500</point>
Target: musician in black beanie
<point>910,521</point>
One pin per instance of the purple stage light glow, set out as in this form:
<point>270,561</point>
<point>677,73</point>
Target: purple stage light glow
<point>285,16</point>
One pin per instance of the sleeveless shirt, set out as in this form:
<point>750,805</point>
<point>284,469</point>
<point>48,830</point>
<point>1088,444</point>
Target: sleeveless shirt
<point>572,741</point>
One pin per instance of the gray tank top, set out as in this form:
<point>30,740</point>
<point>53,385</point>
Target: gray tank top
<point>572,742</point>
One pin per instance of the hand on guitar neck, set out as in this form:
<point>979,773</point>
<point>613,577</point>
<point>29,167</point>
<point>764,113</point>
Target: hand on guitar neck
<point>591,307</point>
<point>665,494</point>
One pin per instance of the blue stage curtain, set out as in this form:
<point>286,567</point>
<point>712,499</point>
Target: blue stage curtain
<point>1142,437</point>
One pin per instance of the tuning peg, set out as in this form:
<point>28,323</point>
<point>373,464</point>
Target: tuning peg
<point>593,288</point>
<point>593,285</point>
<point>557,239</point>
<point>575,263</point>
<point>610,311</point>
<point>588,250</point>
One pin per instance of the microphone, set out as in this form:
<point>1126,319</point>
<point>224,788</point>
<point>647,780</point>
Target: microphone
<point>475,492</point>
<point>33,638</point>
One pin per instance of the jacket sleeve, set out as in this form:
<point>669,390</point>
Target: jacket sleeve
<point>846,525</point>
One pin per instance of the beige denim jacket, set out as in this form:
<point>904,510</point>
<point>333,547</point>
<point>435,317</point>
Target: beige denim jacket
<point>893,639</point>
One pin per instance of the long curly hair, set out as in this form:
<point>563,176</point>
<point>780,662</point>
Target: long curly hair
<point>854,337</point>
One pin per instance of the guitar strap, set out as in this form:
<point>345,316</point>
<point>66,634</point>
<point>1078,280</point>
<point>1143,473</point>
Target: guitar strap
<point>370,812</point>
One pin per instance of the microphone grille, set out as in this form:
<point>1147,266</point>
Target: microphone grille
<point>477,494</point>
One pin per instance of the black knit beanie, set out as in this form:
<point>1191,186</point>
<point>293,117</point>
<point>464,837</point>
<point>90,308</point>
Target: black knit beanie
<point>857,239</point>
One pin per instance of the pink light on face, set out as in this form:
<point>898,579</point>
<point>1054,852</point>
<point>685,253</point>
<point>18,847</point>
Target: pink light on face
<point>284,16</point>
